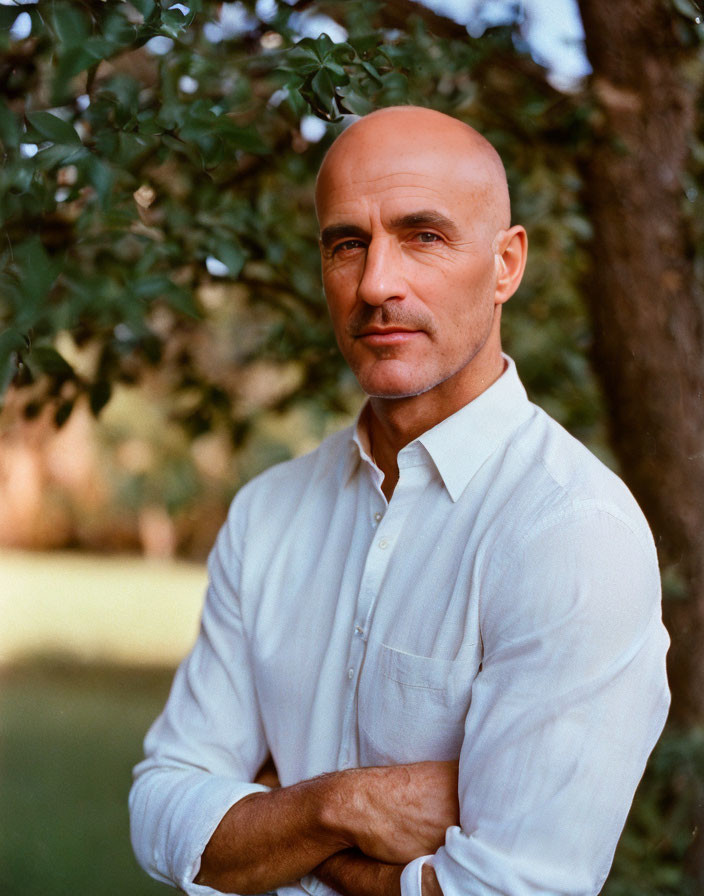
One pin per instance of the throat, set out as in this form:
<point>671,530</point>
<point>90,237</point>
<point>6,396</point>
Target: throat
<point>384,457</point>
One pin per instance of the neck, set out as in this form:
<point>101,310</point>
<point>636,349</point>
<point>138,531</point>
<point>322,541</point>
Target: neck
<point>392,423</point>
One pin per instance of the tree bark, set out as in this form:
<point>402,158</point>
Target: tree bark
<point>646,306</point>
<point>647,310</point>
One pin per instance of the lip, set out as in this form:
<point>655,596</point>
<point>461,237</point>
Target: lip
<point>390,336</point>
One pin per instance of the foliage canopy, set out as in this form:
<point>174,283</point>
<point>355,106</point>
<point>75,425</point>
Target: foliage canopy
<point>153,151</point>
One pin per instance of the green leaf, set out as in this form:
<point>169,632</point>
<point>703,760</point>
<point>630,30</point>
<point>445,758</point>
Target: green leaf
<point>174,22</point>
<point>146,7</point>
<point>182,300</point>
<point>304,56</point>
<point>395,86</point>
<point>365,43</point>
<point>9,127</point>
<point>36,276</point>
<point>8,14</point>
<point>151,286</point>
<point>63,412</point>
<point>342,53</point>
<point>71,27</point>
<point>99,395</point>
<point>231,254</point>
<point>296,102</point>
<point>102,177</point>
<point>324,88</point>
<point>337,72</point>
<point>54,128</point>
<point>323,45</point>
<point>243,138</point>
<point>49,361</point>
<point>354,102</point>
<point>99,48</point>
<point>12,342</point>
<point>70,65</point>
<point>59,154</point>
<point>371,71</point>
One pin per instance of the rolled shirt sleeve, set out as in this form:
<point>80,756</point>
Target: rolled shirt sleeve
<point>205,749</point>
<point>567,706</point>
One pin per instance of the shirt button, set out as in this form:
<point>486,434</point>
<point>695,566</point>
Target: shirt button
<point>384,543</point>
<point>377,517</point>
<point>350,674</point>
<point>359,630</point>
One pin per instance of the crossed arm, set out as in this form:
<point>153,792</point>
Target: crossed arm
<point>354,829</point>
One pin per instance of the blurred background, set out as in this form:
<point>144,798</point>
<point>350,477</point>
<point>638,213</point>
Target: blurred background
<point>163,338</point>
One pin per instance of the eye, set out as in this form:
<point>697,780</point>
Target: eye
<point>347,246</point>
<point>427,236</point>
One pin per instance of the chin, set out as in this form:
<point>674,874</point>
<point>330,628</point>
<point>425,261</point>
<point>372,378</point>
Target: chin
<point>391,390</point>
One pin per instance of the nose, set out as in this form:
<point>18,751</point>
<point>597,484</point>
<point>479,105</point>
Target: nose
<point>383,275</point>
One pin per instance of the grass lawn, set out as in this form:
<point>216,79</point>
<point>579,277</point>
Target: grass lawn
<point>69,738</point>
<point>72,728</point>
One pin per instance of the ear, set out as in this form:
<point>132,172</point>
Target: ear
<point>510,251</point>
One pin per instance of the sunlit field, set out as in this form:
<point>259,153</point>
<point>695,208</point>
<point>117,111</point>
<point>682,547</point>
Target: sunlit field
<point>120,609</point>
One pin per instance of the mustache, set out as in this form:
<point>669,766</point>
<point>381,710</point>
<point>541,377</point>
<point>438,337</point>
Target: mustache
<point>387,316</point>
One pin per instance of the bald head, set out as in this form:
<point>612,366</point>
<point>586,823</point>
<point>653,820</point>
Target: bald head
<point>424,143</point>
<point>418,256</point>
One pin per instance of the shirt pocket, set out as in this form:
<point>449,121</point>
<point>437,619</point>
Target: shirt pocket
<point>412,708</point>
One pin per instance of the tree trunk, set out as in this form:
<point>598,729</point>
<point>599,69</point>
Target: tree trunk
<point>646,306</point>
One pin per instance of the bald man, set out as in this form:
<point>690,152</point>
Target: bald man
<point>443,626</point>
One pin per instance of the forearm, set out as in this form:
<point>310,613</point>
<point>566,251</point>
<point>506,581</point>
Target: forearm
<point>269,839</point>
<point>392,814</point>
<point>352,873</point>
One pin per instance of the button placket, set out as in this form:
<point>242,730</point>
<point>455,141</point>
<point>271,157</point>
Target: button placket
<point>387,526</point>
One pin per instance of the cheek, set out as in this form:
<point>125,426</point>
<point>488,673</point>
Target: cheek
<point>340,292</point>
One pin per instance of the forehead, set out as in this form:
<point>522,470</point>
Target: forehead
<point>371,182</point>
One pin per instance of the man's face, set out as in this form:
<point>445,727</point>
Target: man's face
<point>408,261</point>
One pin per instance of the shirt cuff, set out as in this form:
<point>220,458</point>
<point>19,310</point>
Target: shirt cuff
<point>315,887</point>
<point>203,819</point>
<point>412,876</point>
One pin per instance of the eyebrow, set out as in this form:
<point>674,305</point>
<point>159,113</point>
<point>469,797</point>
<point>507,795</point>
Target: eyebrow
<point>423,218</point>
<point>426,218</point>
<point>340,231</point>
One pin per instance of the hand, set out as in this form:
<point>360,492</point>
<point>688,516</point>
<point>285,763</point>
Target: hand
<point>400,812</point>
<point>352,874</point>
<point>429,882</point>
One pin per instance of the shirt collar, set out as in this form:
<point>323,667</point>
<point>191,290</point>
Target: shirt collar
<point>459,445</point>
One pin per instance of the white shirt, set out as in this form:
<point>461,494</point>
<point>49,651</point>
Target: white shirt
<point>503,608</point>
